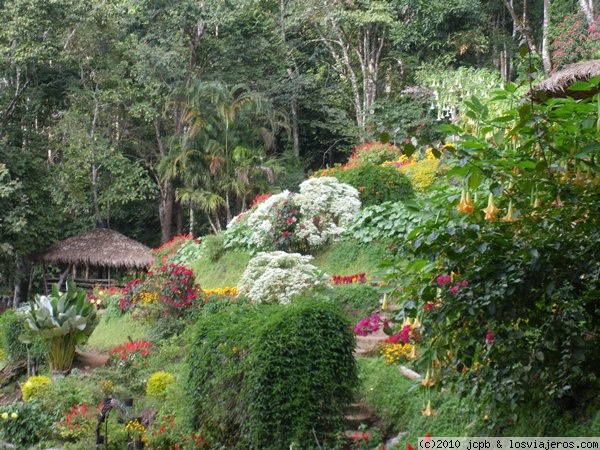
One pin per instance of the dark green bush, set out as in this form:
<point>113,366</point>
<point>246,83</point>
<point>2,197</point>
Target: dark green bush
<point>12,326</point>
<point>213,247</point>
<point>264,377</point>
<point>377,184</point>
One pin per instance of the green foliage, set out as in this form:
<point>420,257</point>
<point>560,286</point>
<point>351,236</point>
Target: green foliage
<point>377,184</point>
<point>519,329</point>
<point>64,392</point>
<point>398,403</point>
<point>26,423</point>
<point>12,325</point>
<point>158,383</point>
<point>387,222</point>
<point>188,253</point>
<point>212,247</point>
<point>374,153</point>
<point>357,300</point>
<point>288,379</point>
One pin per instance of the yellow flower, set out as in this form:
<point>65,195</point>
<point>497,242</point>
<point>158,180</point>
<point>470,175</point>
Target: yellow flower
<point>428,411</point>
<point>14,415</point>
<point>5,415</point>
<point>491,210</point>
<point>510,215</point>
<point>465,205</point>
<point>428,381</point>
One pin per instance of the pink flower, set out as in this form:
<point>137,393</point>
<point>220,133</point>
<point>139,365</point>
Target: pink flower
<point>489,337</point>
<point>443,279</point>
<point>453,290</point>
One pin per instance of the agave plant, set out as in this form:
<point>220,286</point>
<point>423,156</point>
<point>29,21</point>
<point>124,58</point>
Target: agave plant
<point>63,319</point>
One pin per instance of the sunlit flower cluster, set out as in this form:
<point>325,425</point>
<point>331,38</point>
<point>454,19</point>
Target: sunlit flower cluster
<point>279,277</point>
<point>229,291</point>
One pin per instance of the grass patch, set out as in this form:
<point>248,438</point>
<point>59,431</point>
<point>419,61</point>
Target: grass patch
<point>341,258</point>
<point>348,257</point>
<point>224,272</point>
<point>112,331</point>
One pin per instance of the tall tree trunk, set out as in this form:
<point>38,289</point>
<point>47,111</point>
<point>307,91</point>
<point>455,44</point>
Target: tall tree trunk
<point>167,193</point>
<point>165,210</point>
<point>546,61</point>
<point>294,112</point>
<point>520,25</point>
<point>587,8</point>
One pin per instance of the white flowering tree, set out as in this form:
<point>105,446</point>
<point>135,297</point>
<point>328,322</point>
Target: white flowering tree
<point>279,277</point>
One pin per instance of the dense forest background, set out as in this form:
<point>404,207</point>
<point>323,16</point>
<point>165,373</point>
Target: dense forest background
<point>160,117</point>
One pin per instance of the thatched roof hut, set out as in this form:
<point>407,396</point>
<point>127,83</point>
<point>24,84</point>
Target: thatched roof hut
<point>101,247</point>
<point>558,83</point>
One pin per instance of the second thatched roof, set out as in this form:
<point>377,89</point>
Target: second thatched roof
<point>101,247</point>
<point>558,83</point>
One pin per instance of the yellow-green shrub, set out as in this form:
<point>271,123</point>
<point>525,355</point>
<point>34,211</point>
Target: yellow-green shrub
<point>158,383</point>
<point>35,386</point>
<point>421,174</point>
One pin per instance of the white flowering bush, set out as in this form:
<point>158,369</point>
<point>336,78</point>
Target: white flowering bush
<point>279,277</point>
<point>296,222</point>
<point>327,207</point>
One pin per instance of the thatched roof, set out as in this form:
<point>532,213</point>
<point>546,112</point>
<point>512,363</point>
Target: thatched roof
<point>558,83</point>
<point>101,247</point>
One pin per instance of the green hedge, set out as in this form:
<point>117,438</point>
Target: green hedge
<point>12,325</point>
<point>377,184</point>
<point>267,376</point>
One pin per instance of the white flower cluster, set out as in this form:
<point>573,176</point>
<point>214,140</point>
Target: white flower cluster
<point>279,277</point>
<point>327,207</point>
<point>261,219</point>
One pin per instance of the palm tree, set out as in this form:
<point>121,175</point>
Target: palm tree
<point>233,126</point>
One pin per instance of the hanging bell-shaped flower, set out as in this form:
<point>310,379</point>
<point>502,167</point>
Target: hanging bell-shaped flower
<point>428,411</point>
<point>465,205</point>
<point>510,215</point>
<point>428,381</point>
<point>490,210</point>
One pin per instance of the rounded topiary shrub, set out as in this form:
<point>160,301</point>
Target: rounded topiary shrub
<point>377,184</point>
<point>157,384</point>
<point>267,376</point>
<point>35,386</point>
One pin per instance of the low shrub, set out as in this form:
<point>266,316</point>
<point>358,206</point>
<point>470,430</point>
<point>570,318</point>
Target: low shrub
<point>158,383</point>
<point>279,277</point>
<point>12,326</point>
<point>286,382</point>
<point>389,222</point>
<point>24,424</point>
<point>35,387</point>
<point>212,247</point>
<point>377,184</point>
<point>422,174</point>
<point>373,152</point>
